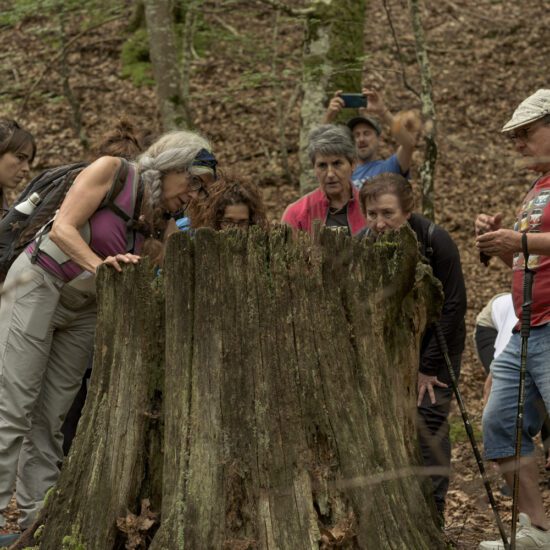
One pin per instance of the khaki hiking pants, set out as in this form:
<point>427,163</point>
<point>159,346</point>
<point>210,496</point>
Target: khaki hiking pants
<point>46,338</point>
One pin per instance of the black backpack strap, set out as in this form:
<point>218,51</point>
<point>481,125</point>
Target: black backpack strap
<point>429,251</point>
<point>115,190</point>
<point>137,205</point>
<point>133,223</point>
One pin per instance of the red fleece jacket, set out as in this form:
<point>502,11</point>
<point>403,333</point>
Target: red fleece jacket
<point>314,206</point>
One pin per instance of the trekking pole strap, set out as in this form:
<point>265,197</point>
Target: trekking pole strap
<point>527,290</point>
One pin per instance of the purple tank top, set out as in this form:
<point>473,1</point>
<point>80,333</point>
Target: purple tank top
<point>106,234</point>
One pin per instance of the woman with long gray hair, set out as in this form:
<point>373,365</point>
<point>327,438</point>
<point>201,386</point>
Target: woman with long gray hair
<point>114,213</point>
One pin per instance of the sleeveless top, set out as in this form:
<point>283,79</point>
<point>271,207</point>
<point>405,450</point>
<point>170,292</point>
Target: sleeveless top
<point>105,233</point>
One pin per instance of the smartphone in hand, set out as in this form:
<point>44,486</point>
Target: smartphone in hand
<point>354,101</point>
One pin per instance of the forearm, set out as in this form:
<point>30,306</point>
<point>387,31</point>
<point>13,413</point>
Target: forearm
<point>537,243</point>
<point>329,117</point>
<point>71,242</point>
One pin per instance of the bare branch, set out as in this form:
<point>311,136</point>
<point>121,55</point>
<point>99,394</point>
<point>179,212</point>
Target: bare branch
<point>398,48</point>
<point>65,71</point>
<point>58,56</point>
<point>427,170</point>
<point>226,26</point>
<point>284,8</point>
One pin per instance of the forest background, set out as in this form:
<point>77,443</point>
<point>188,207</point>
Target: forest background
<point>69,69</point>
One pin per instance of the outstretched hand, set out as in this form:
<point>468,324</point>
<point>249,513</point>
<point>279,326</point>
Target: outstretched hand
<point>426,384</point>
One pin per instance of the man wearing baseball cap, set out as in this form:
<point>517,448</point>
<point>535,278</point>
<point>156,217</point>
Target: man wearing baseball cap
<point>366,132</point>
<point>529,132</point>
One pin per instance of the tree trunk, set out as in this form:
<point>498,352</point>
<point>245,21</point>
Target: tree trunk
<point>166,68</point>
<point>427,169</point>
<point>288,399</point>
<point>116,457</point>
<point>333,60</point>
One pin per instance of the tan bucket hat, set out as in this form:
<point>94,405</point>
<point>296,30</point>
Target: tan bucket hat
<point>534,107</point>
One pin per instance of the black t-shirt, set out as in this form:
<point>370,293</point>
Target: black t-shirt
<point>446,266</point>
<point>444,259</point>
<point>338,217</point>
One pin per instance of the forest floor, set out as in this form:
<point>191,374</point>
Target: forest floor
<point>486,56</point>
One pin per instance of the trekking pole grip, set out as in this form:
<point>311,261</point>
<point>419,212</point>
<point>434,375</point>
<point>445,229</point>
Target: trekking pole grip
<point>527,290</point>
<point>441,340</point>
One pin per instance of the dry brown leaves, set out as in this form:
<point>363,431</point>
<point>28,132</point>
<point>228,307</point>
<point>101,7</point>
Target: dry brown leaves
<point>136,528</point>
<point>339,535</point>
<point>486,56</point>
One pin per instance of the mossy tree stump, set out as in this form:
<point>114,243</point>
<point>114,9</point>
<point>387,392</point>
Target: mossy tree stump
<point>260,395</point>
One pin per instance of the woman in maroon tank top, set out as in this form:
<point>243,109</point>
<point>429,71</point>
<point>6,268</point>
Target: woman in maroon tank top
<point>47,323</point>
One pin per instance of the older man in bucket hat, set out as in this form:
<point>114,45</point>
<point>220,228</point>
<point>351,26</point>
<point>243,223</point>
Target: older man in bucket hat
<point>529,131</point>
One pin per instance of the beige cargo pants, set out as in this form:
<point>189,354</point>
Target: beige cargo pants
<point>46,338</point>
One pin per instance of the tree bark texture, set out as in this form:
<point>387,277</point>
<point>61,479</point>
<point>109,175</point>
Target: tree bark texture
<point>116,457</point>
<point>333,60</point>
<point>288,398</point>
<point>172,102</point>
<point>427,169</point>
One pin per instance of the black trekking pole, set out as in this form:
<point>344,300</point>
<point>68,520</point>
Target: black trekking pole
<point>525,330</point>
<point>442,343</point>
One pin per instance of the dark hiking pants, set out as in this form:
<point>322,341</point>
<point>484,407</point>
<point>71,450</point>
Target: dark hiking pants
<point>433,434</point>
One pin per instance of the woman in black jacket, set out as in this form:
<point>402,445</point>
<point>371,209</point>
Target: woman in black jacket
<point>387,201</point>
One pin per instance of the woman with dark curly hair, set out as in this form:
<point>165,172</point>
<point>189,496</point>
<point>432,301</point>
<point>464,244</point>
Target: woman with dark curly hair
<point>232,203</point>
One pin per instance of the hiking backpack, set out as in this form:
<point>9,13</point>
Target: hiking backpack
<point>52,186</point>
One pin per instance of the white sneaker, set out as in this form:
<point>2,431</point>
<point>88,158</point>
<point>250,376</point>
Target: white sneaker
<point>527,538</point>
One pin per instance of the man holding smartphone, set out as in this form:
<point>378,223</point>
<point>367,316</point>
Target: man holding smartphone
<point>366,132</point>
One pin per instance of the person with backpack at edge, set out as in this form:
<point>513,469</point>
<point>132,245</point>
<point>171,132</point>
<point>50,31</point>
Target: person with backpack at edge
<point>387,201</point>
<point>47,322</point>
<point>17,151</point>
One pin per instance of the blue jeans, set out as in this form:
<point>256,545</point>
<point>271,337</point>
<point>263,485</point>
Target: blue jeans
<point>499,416</point>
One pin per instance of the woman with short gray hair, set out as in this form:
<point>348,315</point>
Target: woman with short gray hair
<point>335,203</point>
<point>331,139</point>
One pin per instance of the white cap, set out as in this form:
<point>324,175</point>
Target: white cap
<point>534,107</point>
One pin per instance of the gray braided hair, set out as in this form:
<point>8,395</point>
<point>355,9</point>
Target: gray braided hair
<point>172,152</point>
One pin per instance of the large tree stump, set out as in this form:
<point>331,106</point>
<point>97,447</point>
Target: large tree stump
<point>288,395</point>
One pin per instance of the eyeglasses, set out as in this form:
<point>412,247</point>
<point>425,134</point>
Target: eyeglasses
<point>523,133</point>
<point>197,185</point>
<point>227,223</point>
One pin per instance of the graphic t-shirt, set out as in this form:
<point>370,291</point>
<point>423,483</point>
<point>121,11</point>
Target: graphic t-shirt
<point>368,170</point>
<point>534,217</point>
<point>337,217</point>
